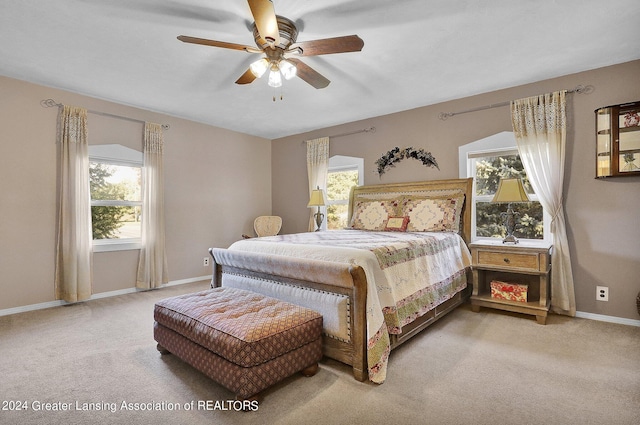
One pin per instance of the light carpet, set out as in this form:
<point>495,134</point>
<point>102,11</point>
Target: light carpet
<point>468,368</point>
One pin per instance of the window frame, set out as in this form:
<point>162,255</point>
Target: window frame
<point>342,163</point>
<point>499,144</point>
<point>120,156</point>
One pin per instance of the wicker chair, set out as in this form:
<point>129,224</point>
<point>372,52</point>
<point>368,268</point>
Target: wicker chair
<point>266,225</point>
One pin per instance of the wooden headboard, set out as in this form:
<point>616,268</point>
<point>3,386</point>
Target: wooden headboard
<point>394,190</point>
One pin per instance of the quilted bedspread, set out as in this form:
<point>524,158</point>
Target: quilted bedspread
<point>408,274</point>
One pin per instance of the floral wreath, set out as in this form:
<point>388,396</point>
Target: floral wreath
<point>396,154</point>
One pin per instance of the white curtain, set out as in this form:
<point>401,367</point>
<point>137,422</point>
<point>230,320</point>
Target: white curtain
<point>152,263</point>
<point>73,234</point>
<point>539,124</point>
<point>317,168</point>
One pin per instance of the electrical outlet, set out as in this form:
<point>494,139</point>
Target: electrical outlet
<point>206,261</point>
<point>602,293</point>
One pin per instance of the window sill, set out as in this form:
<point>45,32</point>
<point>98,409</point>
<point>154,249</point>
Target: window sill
<point>485,239</point>
<point>115,245</point>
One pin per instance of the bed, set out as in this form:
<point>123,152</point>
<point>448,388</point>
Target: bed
<point>401,265</point>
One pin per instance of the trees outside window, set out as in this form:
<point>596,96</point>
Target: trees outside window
<point>339,185</point>
<point>115,177</point>
<point>115,201</point>
<point>344,173</point>
<point>487,169</point>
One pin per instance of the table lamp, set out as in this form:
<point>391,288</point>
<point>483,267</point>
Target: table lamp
<point>317,200</point>
<point>510,190</point>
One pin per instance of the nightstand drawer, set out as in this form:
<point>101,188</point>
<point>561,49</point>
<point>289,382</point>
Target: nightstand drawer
<point>509,260</point>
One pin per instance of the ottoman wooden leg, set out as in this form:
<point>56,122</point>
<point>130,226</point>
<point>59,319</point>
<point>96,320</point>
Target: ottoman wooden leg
<point>310,371</point>
<point>162,349</point>
<point>248,401</point>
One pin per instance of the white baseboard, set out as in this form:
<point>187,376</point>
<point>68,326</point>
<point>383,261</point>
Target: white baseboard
<point>610,319</point>
<point>58,303</point>
<point>40,306</point>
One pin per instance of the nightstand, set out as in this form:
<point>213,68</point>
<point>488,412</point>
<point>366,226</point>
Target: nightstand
<point>525,263</point>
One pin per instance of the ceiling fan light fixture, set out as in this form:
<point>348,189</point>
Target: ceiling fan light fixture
<point>276,38</point>
<point>259,67</point>
<point>275,79</point>
<point>287,69</point>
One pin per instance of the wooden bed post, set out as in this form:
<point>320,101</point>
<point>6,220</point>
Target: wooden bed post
<point>216,274</point>
<point>359,324</point>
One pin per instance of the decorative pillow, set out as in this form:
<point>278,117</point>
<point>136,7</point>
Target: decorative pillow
<point>397,224</point>
<point>441,214</point>
<point>372,214</point>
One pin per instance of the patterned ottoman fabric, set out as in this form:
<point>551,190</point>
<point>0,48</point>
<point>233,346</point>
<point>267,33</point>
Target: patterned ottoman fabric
<point>244,327</point>
<point>242,340</point>
<point>244,382</point>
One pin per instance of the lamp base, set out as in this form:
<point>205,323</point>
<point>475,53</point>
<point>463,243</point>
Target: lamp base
<point>510,218</point>
<point>319,217</point>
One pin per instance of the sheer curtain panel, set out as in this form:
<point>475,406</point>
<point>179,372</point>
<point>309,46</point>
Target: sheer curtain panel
<point>539,124</point>
<point>152,263</point>
<point>317,169</point>
<point>73,233</point>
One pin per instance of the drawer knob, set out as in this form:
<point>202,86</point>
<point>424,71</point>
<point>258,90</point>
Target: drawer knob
<point>506,260</point>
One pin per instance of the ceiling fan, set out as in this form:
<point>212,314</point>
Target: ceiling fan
<point>276,37</point>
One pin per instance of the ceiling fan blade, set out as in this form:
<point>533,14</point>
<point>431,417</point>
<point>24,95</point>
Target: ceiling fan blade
<point>214,43</point>
<point>308,74</point>
<point>325,46</point>
<point>246,78</point>
<point>264,15</point>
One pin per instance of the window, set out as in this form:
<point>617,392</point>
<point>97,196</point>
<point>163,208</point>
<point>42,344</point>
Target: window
<point>497,157</point>
<point>115,174</point>
<point>344,173</point>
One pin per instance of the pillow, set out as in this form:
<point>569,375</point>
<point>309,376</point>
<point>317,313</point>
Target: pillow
<point>439,214</point>
<point>369,214</point>
<point>396,224</point>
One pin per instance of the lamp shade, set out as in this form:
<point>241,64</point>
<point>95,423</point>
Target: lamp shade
<point>317,198</point>
<point>510,190</point>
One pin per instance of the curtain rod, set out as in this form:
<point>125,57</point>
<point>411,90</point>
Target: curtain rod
<point>50,103</point>
<point>364,130</point>
<point>580,89</point>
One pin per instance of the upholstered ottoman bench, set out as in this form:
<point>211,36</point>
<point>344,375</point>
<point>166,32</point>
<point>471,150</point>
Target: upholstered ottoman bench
<point>245,341</point>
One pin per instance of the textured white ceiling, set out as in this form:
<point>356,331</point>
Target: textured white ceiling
<point>416,53</point>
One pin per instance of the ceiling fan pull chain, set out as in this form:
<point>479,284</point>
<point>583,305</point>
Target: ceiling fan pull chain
<point>274,94</point>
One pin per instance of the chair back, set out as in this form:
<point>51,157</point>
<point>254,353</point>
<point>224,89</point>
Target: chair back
<point>267,225</point>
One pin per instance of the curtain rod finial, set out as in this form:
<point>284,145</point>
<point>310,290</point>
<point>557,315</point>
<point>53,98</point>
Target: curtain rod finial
<point>49,103</point>
<point>580,89</point>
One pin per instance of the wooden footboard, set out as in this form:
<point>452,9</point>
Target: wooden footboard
<point>277,276</point>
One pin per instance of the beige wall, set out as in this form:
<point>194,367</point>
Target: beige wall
<point>602,216</point>
<point>207,170</point>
